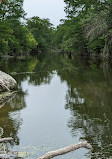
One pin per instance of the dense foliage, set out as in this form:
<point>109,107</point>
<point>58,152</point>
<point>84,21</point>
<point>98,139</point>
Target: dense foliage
<point>88,28</point>
<point>42,30</point>
<point>15,39</point>
<point>18,37</point>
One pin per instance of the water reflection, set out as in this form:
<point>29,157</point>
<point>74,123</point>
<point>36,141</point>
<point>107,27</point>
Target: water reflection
<point>89,99</point>
<point>82,87</point>
<point>10,126</point>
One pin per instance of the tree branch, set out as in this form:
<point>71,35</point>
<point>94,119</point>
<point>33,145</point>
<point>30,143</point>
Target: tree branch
<point>65,150</point>
<point>5,139</point>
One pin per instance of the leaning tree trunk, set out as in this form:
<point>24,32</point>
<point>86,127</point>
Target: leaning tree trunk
<point>65,150</point>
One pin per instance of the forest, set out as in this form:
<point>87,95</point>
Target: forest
<point>87,29</point>
<point>56,81</point>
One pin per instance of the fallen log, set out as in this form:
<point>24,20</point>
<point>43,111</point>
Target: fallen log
<point>21,73</point>
<point>5,139</point>
<point>65,150</point>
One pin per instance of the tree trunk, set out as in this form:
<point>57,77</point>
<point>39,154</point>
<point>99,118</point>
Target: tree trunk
<point>5,139</point>
<point>65,150</point>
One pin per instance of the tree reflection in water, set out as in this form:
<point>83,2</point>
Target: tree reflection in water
<point>88,97</point>
<point>9,125</point>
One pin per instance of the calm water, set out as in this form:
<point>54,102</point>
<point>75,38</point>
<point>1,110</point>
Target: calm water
<point>63,102</point>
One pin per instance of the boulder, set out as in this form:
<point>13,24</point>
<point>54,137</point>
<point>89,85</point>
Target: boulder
<point>7,82</point>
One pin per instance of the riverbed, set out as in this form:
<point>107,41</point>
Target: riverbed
<point>60,101</point>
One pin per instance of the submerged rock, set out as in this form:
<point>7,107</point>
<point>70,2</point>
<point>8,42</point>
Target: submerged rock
<point>7,82</point>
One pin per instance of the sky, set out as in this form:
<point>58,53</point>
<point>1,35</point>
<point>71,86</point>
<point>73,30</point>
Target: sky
<point>52,9</point>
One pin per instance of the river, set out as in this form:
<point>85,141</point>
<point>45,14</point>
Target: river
<point>63,101</point>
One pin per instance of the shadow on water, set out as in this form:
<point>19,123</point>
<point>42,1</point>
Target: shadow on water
<point>88,96</point>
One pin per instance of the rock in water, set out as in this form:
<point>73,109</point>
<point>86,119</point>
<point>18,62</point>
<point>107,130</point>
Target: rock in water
<point>7,82</point>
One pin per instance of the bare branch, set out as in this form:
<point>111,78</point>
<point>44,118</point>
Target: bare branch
<point>65,150</point>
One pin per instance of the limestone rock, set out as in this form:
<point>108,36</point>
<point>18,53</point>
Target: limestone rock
<point>7,82</point>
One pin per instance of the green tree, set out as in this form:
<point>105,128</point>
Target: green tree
<point>88,29</point>
<point>11,9</point>
<point>42,30</point>
<point>15,38</point>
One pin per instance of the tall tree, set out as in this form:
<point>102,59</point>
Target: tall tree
<point>11,9</point>
<point>89,26</point>
<point>15,39</point>
<point>42,30</point>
